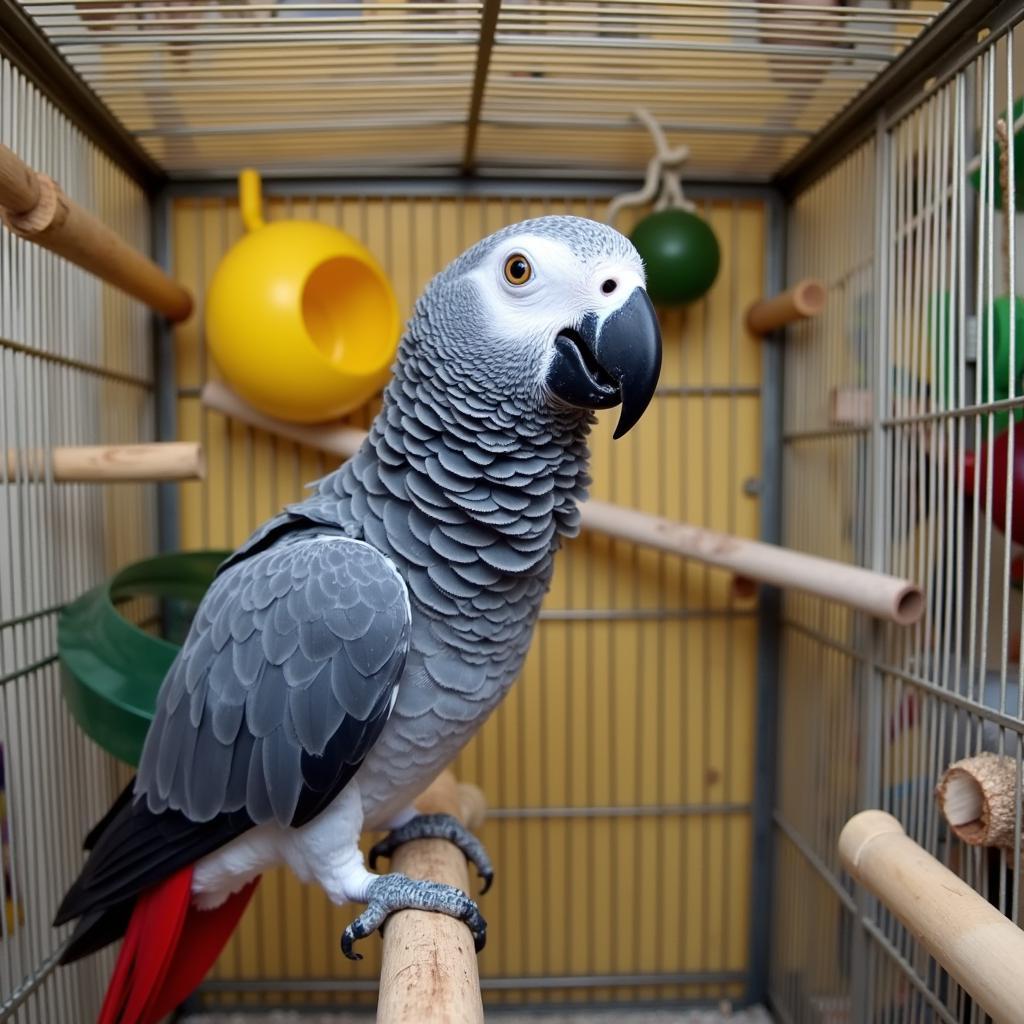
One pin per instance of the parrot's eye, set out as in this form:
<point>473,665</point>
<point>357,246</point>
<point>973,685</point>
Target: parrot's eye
<point>518,269</point>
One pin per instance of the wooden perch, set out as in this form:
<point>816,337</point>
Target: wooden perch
<point>334,438</point>
<point>429,971</point>
<point>978,797</point>
<point>978,946</point>
<point>885,597</point>
<point>34,207</point>
<point>804,299</point>
<point>170,460</point>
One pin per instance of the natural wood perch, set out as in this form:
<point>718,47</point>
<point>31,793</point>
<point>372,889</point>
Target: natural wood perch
<point>885,597</point>
<point>429,971</point>
<point>804,299</point>
<point>981,949</point>
<point>34,207</point>
<point>169,460</point>
<point>979,797</point>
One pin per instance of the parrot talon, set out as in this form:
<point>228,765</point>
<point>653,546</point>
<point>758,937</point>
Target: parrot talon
<point>438,826</point>
<point>368,921</point>
<point>347,937</point>
<point>391,893</point>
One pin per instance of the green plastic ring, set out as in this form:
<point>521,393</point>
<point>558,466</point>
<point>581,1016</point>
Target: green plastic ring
<point>111,669</point>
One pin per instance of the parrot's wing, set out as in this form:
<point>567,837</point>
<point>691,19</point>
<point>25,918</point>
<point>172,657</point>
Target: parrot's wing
<point>284,683</point>
<point>286,679</point>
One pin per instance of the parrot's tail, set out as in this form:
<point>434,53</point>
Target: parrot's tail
<point>168,948</point>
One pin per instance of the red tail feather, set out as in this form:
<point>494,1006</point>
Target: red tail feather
<point>168,948</point>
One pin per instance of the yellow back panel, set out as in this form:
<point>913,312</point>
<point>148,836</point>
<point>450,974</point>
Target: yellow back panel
<point>620,768</point>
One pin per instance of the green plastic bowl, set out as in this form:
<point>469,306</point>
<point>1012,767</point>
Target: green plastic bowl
<point>111,669</point>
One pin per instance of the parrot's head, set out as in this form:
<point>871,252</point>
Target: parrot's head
<point>548,313</point>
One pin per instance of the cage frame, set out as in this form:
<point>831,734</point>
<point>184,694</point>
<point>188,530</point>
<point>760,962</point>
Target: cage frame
<point>948,46</point>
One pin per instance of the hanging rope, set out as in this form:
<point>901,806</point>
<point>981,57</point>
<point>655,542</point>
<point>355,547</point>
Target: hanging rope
<point>662,182</point>
<point>1003,141</point>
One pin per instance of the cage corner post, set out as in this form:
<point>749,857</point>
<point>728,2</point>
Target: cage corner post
<point>768,626</point>
<point>871,640</point>
<point>166,392</point>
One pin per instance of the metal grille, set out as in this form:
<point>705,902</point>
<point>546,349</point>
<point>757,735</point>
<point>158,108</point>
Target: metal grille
<point>914,255</point>
<point>620,768</point>
<point>744,85</point>
<point>523,87</point>
<point>75,368</point>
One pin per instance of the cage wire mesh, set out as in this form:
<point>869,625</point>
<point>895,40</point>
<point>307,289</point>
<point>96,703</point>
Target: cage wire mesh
<point>75,368</point>
<point>520,87</point>
<point>887,394</point>
<point>621,799</point>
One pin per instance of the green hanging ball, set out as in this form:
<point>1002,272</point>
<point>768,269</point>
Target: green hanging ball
<point>681,255</point>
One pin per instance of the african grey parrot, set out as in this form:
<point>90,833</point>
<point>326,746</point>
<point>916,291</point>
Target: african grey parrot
<point>347,651</point>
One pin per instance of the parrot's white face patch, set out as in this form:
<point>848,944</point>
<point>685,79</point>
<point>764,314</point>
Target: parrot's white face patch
<point>558,292</point>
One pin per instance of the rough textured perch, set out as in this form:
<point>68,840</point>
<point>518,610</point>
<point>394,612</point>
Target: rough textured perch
<point>979,798</point>
<point>168,460</point>
<point>429,972</point>
<point>34,207</point>
<point>885,597</point>
<point>981,949</point>
<point>804,299</point>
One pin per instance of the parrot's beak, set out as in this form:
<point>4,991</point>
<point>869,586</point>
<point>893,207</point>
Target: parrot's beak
<point>610,361</point>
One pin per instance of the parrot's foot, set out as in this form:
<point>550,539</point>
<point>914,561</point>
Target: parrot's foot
<point>390,893</point>
<point>438,826</point>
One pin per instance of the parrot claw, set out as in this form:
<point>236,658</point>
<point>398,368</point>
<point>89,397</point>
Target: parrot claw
<point>391,893</point>
<point>438,826</point>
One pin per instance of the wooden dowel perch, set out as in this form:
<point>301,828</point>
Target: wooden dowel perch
<point>338,440</point>
<point>34,207</point>
<point>885,597</point>
<point>429,970</point>
<point>170,460</point>
<point>978,797</point>
<point>804,299</point>
<point>981,949</point>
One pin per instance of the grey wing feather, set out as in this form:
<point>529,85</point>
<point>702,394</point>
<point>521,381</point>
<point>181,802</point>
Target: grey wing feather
<point>293,659</point>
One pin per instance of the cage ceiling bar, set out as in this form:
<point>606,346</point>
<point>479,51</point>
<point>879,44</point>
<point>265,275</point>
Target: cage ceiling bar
<point>474,87</point>
<point>22,43</point>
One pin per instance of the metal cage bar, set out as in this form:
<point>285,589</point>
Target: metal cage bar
<point>444,86</point>
<point>75,368</point>
<point>911,323</point>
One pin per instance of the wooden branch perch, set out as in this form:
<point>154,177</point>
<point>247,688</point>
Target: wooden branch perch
<point>429,971</point>
<point>34,207</point>
<point>804,299</point>
<point>169,460</point>
<point>981,949</point>
<point>886,597</point>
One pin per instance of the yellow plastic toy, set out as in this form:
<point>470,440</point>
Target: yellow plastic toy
<point>300,318</point>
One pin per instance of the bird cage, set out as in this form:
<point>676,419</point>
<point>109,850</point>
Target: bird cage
<point>797,593</point>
